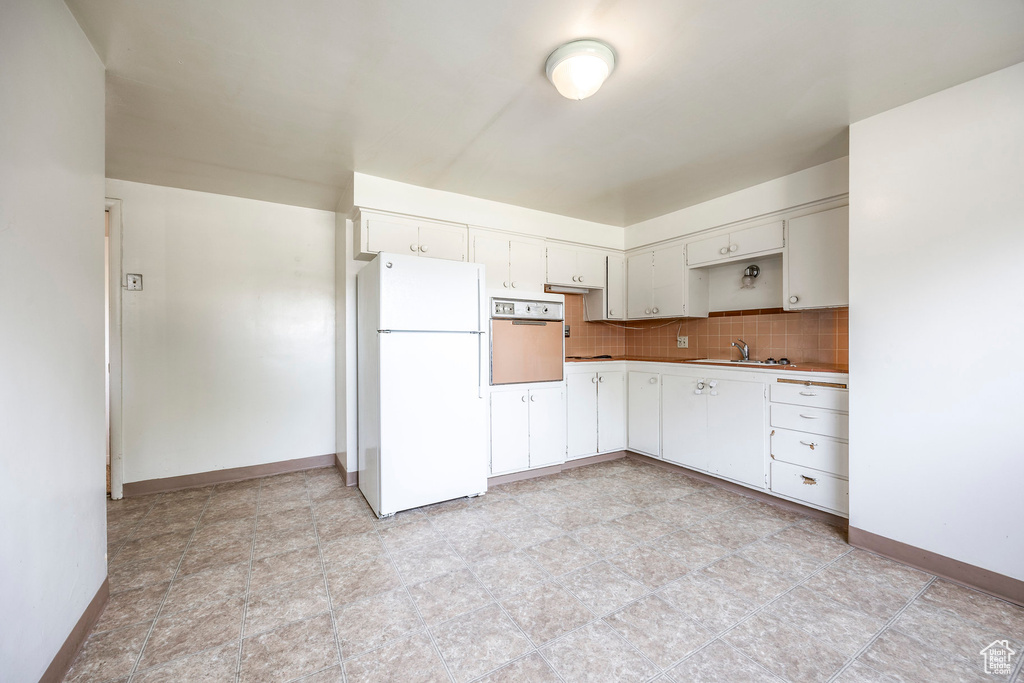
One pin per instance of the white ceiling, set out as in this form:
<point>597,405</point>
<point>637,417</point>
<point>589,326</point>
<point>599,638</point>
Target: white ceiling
<point>283,100</point>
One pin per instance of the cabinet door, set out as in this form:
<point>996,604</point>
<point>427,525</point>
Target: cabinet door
<point>684,418</point>
<point>736,430</point>
<point>644,412</point>
<point>581,408</point>
<point>510,432</point>
<point>611,411</point>
<point>818,260</point>
<point>442,241</point>
<point>561,266</point>
<point>707,250</point>
<point>392,236</point>
<point>756,239</point>
<point>526,266</point>
<point>547,427</point>
<point>615,291</point>
<point>638,286</point>
<point>493,253</point>
<point>667,282</point>
<point>590,268</point>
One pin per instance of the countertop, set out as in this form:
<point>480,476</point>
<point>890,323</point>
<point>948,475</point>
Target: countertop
<point>793,367</point>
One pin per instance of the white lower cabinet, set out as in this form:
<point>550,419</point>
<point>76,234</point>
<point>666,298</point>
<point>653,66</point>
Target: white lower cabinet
<point>547,426</point>
<point>810,454</point>
<point>644,395</point>
<point>527,429</point>
<point>596,410</point>
<point>715,425</point>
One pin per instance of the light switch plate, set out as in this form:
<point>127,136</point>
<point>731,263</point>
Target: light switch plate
<point>566,330</point>
<point>682,342</point>
<point>133,282</point>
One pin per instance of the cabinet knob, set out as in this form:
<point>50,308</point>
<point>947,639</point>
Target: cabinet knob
<point>581,278</point>
<point>575,279</point>
<point>654,310</point>
<point>600,378</point>
<point>513,284</point>
<point>594,379</point>
<point>713,383</point>
<point>524,398</point>
<point>723,250</point>
<point>414,247</point>
<point>611,311</point>
<point>714,392</point>
<point>505,285</point>
<point>533,398</point>
<point>423,248</point>
<point>653,380</point>
<point>794,299</point>
<point>733,247</point>
<point>647,311</point>
<point>698,392</point>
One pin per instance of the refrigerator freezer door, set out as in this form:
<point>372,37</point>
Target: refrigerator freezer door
<point>433,420</point>
<point>424,294</point>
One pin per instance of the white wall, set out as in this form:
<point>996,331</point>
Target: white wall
<point>389,195</point>
<point>228,351</point>
<point>814,184</point>
<point>52,488</point>
<point>936,324</point>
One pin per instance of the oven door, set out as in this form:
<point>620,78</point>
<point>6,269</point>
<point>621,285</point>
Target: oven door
<point>526,351</point>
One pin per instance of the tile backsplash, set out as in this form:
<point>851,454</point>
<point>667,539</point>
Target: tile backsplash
<point>820,336</point>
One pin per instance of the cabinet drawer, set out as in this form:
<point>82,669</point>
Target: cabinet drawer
<point>813,420</point>
<point>808,450</point>
<point>811,486</point>
<point>816,397</point>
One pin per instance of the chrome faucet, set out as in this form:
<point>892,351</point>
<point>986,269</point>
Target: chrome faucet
<point>745,350</point>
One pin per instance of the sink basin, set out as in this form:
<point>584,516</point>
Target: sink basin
<point>756,363</point>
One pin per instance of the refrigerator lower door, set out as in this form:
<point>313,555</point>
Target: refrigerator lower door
<point>433,420</point>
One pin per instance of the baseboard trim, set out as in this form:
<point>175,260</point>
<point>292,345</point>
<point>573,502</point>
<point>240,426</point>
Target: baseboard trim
<point>761,496</point>
<point>350,478</point>
<point>66,654</point>
<point>1001,586</point>
<point>189,481</point>
<point>553,469</point>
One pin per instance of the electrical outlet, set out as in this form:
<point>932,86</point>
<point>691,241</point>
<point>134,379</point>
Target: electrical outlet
<point>682,342</point>
<point>133,282</point>
<point>566,330</point>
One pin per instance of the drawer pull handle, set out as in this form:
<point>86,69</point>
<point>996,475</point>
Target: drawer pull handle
<point>809,444</point>
<point>808,481</point>
<point>807,393</point>
<point>809,417</point>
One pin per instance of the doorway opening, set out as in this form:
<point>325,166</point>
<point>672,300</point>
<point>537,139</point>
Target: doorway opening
<point>112,315</point>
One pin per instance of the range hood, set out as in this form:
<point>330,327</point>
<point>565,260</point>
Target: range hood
<point>563,289</point>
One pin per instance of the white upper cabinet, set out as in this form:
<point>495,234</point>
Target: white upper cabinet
<point>616,288</point>
<point>575,267</point>
<point>382,232</point>
<point>723,247</point>
<point>513,266</point>
<point>659,285</point>
<point>817,264</point>
<point>668,293</point>
<point>526,266</point>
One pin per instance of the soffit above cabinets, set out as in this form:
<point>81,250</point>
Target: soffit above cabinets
<point>283,101</point>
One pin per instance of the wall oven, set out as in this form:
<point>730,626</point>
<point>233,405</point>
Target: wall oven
<point>527,341</point>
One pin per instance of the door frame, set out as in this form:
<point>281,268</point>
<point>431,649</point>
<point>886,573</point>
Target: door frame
<point>116,279</point>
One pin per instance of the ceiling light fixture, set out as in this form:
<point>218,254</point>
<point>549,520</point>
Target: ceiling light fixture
<point>578,69</point>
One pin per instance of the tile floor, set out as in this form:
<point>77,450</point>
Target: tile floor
<point>619,571</point>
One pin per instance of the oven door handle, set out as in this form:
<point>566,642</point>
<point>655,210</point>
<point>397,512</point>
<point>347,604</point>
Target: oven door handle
<point>530,322</point>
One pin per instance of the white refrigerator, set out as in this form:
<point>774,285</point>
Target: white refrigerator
<point>422,413</point>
